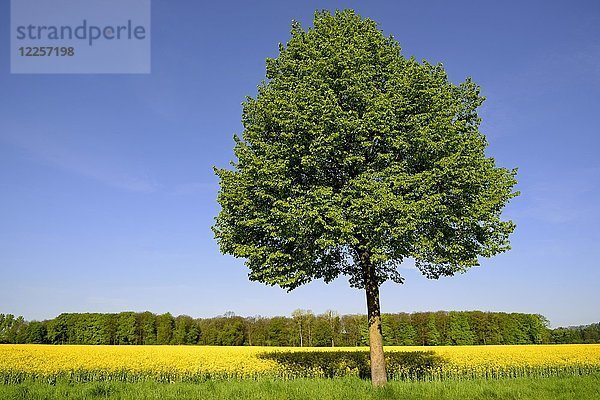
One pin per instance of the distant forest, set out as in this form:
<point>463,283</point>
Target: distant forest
<point>303,328</point>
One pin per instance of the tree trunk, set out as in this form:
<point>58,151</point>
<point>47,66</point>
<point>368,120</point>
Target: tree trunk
<point>378,373</point>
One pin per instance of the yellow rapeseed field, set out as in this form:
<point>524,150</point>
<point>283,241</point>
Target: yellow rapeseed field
<point>193,363</point>
<point>515,360</point>
<point>163,363</point>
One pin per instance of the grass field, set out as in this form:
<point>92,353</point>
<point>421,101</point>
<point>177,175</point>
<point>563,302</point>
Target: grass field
<point>563,388</point>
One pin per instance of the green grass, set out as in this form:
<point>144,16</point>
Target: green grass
<point>567,388</point>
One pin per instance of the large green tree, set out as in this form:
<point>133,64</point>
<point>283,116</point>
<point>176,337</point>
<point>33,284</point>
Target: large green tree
<point>354,159</point>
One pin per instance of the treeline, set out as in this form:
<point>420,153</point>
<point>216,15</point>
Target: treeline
<point>303,328</point>
<point>576,334</point>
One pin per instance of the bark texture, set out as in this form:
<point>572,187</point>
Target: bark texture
<point>378,371</point>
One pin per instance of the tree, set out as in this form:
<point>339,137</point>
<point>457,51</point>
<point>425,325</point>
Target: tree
<point>35,332</point>
<point>6,323</point>
<point>232,331</point>
<point>126,328</point>
<point>419,322</point>
<point>351,329</point>
<point>147,328</point>
<point>299,317</point>
<point>460,331</point>
<point>389,329</point>
<point>256,330</point>
<point>58,330</point>
<point>309,318</point>
<point>433,335</point>
<point>354,159</point>
<point>193,334</point>
<point>183,324</point>
<point>406,332</point>
<point>210,331</point>
<point>279,332</point>
<point>164,328</point>
<point>333,320</point>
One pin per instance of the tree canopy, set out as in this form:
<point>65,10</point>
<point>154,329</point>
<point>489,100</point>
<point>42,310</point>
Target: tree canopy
<point>350,146</point>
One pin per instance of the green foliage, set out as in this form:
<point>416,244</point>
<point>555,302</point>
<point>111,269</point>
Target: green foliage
<point>164,328</point>
<point>279,332</point>
<point>126,332</point>
<point>354,330</point>
<point>223,331</point>
<point>330,364</point>
<point>10,328</point>
<point>576,334</point>
<point>432,335</point>
<point>186,331</point>
<point>460,329</point>
<point>349,146</point>
<point>327,329</point>
<point>34,332</point>
<point>398,330</point>
<point>146,324</point>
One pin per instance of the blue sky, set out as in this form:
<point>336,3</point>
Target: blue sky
<point>107,192</point>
